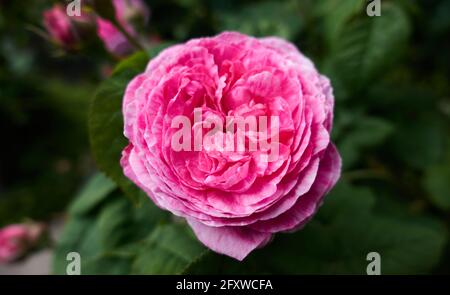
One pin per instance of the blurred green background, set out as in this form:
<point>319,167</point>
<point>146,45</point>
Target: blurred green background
<point>392,112</point>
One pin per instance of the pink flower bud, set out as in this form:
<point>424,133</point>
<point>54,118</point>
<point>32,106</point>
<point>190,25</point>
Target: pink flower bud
<point>65,30</point>
<point>59,26</point>
<point>16,239</point>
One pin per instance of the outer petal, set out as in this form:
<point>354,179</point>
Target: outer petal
<point>307,205</point>
<point>236,242</point>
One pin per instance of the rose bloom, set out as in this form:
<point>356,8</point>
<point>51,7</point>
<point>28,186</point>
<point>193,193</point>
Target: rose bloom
<point>126,10</point>
<point>16,239</point>
<point>234,201</point>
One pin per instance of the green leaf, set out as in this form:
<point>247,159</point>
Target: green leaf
<point>437,184</point>
<point>145,217</point>
<point>94,192</point>
<point>114,263</point>
<point>336,14</point>
<point>169,249</point>
<point>119,223</point>
<point>114,223</point>
<point>364,133</point>
<point>420,141</point>
<point>280,19</point>
<point>366,46</point>
<point>106,122</point>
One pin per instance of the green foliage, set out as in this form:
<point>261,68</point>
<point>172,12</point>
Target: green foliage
<point>92,194</point>
<point>359,134</point>
<point>345,230</point>
<point>335,15</point>
<point>436,182</point>
<point>169,249</point>
<point>115,237</point>
<point>106,122</point>
<point>362,48</point>
<point>421,142</point>
<point>282,19</point>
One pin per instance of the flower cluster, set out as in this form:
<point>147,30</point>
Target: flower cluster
<point>67,30</point>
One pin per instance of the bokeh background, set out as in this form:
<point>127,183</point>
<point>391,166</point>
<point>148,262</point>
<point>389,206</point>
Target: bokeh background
<point>391,81</point>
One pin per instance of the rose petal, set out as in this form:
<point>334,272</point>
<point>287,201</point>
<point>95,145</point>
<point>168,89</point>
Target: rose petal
<point>236,242</point>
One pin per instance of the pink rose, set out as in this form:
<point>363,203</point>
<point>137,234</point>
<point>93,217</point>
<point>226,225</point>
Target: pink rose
<point>233,199</point>
<point>16,239</point>
<point>126,10</point>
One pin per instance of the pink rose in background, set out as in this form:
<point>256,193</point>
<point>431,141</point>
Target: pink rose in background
<point>16,239</point>
<point>66,30</point>
<point>114,41</point>
<point>233,200</point>
<point>59,26</point>
<point>126,11</point>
